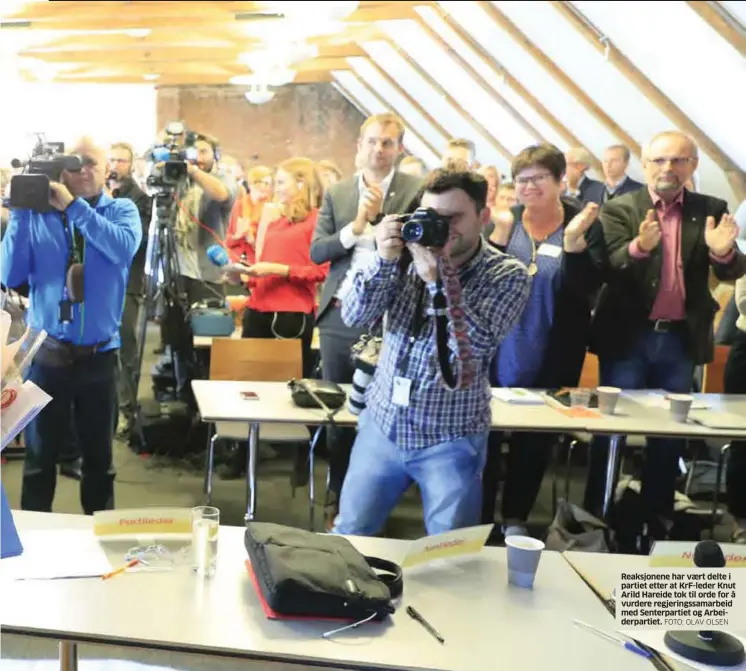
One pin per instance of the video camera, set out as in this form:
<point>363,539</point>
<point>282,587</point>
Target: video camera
<point>178,148</point>
<point>425,227</point>
<point>30,190</point>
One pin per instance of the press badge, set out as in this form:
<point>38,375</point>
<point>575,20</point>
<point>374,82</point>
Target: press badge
<point>545,249</point>
<point>402,387</point>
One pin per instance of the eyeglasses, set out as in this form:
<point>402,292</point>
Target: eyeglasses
<point>676,161</point>
<point>535,179</point>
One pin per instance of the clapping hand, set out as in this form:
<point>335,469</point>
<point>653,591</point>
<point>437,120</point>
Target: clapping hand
<point>649,235</point>
<point>369,207</point>
<point>720,238</point>
<point>574,239</point>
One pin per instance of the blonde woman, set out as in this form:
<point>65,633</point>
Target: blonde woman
<point>283,279</point>
<point>247,212</point>
<point>492,175</point>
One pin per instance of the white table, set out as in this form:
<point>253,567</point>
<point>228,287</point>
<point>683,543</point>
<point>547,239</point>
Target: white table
<point>220,401</point>
<point>633,417</point>
<point>486,623</point>
<point>601,573</point>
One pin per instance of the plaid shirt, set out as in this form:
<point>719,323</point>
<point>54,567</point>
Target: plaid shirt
<point>495,290</point>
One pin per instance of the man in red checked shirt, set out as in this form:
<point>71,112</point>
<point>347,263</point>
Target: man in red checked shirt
<point>654,320</point>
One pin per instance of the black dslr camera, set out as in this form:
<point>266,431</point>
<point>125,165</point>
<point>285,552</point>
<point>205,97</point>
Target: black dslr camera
<point>30,190</point>
<point>177,148</point>
<point>425,227</point>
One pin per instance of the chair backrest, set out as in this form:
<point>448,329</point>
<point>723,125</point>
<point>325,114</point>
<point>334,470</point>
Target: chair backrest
<point>713,379</point>
<point>589,375</point>
<point>255,359</point>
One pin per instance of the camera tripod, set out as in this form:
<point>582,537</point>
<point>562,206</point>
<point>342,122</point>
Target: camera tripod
<point>165,293</point>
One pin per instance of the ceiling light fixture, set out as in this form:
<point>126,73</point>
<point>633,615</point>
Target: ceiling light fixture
<point>151,77</point>
<point>258,94</point>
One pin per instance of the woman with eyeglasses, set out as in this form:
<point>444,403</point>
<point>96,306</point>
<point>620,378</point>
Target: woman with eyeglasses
<point>562,245</point>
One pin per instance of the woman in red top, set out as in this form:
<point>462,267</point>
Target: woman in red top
<point>242,225</point>
<point>283,281</point>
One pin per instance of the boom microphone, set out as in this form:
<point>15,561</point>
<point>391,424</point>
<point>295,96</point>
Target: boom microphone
<point>714,648</point>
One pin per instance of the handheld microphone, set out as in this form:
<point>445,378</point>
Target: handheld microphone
<point>714,648</point>
<point>218,255</point>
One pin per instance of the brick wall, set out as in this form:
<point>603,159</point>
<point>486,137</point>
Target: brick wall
<point>312,120</point>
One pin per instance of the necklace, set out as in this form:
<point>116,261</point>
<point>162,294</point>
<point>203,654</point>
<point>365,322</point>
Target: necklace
<point>533,268</point>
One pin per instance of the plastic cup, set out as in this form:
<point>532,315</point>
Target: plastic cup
<point>680,406</point>
<point>607,399</point>
<point>524,554</point>
<point>580,398</point>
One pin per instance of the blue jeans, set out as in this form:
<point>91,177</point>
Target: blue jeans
<point>449,476</point>
<point>657,361</point>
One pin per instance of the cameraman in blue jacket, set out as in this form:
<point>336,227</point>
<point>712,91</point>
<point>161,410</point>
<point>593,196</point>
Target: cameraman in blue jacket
<point>76,261</point>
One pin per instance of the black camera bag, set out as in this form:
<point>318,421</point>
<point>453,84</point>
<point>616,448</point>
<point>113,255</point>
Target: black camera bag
<point>299,573</point>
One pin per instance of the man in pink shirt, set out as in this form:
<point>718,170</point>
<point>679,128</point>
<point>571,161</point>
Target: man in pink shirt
<point>654,318</point>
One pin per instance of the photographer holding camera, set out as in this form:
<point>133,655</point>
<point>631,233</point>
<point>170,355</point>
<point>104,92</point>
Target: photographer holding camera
<point>76,259</point>
<point>457,295</point>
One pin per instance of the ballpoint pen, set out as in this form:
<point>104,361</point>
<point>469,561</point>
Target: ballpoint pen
<point>121,569</point>
<point>415,615</point>
<point>632,647</point>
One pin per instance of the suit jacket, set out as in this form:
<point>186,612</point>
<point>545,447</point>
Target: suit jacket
<point>625,302</point>
<point>628,186</point>
<point>592,191</point>
<point>339,209</point>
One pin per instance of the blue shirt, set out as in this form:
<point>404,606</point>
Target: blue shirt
<point>521,354</point>
<point>494,288</point>
<point>36,249</point>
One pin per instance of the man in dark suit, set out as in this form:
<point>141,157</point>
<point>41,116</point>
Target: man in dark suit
<point>654,319</point>
<point>615,164</point>
<point>579,186</point>
<point>344,236</point>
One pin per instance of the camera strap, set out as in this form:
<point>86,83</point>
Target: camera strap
<point>447,307</point>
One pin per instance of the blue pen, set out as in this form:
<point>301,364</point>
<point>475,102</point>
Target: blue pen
<point>615,639</point>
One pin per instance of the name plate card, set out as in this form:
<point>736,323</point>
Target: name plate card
<point>448,545</point>
<point>144,522</point>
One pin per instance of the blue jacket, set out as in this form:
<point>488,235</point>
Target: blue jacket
<point>36,250</point>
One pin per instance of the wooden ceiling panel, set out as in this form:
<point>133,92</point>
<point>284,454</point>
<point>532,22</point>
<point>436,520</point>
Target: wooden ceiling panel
<point>184,42</point>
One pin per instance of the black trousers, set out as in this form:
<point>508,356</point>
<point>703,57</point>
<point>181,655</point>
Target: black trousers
<point>84,400</point>
<point>525,464</point>
<point>336,339</point>
<point>735,383</point>
<point>128,354</point>
<point>285,325</point>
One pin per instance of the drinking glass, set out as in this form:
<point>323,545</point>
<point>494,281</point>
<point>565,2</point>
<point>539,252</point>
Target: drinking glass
<point>205,527</point>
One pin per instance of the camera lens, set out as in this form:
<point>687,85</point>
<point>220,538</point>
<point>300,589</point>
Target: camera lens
<point>412,231</point>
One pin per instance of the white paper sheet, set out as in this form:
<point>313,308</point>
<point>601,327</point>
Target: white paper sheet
<point>517,395</point>
<point>654,639</point>
<point>23,404</point>
<point>54,554</point>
